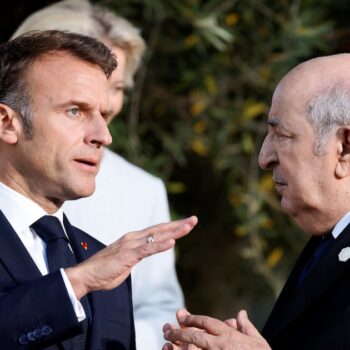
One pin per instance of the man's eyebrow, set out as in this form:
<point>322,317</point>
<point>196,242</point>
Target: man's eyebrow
<point>273,122</point>
<point>80,104</point>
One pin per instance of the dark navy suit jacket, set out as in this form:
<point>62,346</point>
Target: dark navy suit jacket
<point>315,315</point>
<point>36,310</point>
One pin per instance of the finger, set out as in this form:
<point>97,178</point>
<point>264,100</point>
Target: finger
<point>164,240</point>
<point>169,346</point>
<point>231,322</point>
<point>137,246</point>
<point>135,251</point>
<point>209,324</point>
<point>185,346</point>
<point>169,326</point>
<point>159,233</point>
<point>148,249</point>
<point>171,224</point>
<point>180,314</point>
<point>183,313</point>
<point>245,326</point>
<point>190,338</point>
<point>170,230</point>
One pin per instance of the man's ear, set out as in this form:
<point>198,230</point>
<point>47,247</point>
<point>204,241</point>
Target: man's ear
<point>343,149</point>
<point>10,125</point>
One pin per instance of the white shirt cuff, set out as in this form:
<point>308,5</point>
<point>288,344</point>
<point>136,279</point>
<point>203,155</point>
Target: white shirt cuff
<point>78,308</point>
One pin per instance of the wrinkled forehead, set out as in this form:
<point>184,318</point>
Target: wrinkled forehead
<point>291,96</point>
<point>57,76</point>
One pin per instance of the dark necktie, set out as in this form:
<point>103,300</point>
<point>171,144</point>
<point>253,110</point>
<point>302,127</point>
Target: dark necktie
<point>59,255</point>
<point>321,248</point>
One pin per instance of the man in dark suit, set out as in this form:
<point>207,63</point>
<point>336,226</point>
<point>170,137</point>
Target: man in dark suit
<point>59,287</point>
<point>308,150</point>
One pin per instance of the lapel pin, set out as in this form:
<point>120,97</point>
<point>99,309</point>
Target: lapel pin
<point>344,254</point>
<point>85,245</point>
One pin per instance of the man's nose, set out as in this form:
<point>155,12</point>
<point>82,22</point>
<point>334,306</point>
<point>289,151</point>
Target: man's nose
<point>99,134</point>
<point>267,156</point>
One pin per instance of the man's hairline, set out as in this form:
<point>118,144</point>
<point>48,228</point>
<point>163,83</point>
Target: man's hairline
<point>27,87</point>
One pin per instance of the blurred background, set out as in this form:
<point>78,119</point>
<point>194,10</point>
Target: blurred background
<point>197,118</point>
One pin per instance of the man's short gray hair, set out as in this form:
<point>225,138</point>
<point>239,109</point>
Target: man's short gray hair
<point>325,112</point>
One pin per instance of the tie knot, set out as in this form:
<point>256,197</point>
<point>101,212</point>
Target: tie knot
<point>49,228</point>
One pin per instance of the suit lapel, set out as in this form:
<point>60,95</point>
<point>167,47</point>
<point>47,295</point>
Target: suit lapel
<point>328,270</point>
<point>18,261</point>
<point>14,254</point>
<point>84,247</point>
<point>109,308</point>
<point>79,242</point>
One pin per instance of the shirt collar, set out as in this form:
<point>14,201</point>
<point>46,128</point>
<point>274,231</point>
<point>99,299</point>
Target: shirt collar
<point>341,224</point>
<point>21,211</point>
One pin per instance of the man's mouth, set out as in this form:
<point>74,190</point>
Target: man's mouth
<point>90,163</point>
<point>87,162</point>
<point>279,183</point>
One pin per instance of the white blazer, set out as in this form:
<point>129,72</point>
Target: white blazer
<point>128,198</point>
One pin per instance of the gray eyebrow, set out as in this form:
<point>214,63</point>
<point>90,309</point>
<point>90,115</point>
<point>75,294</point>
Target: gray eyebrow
<point>273,122</point>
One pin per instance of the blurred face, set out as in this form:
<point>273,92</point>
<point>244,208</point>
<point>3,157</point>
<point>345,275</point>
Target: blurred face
<point>304,180</point>
<point>70,111</point>
<point>117,82</point>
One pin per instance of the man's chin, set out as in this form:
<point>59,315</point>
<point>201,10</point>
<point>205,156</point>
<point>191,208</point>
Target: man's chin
<point>82,192</point>
<point>301,216</point>
<point>288,207</point>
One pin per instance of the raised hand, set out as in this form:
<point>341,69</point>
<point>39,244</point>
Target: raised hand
<point>111,266</point>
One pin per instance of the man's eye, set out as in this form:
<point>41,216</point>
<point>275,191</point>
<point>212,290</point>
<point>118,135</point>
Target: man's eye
<point>74,111</point>
<point>119,88</point>
<point>282,136</point>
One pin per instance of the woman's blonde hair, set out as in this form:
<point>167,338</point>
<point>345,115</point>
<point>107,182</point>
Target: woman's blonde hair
<point>80,16</point>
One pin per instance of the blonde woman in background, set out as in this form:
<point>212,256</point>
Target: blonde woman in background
<point>126,198</point>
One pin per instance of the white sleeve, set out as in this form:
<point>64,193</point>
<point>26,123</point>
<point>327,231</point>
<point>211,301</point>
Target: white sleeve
<point>156,290</point>
<point>78,308</point>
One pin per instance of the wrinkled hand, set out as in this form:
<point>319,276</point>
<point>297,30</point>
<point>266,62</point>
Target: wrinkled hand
<point>203,332</point>
<point>112,265</point>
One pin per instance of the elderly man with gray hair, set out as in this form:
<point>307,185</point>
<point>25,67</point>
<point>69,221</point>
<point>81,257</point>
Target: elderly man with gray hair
<point>126,197</point>
<point>307,148</point>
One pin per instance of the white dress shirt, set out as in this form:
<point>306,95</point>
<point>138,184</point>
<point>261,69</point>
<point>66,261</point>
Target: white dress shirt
<point>21,212</point>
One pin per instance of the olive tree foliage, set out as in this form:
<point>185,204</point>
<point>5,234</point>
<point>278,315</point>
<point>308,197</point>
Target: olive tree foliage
<point>197,118</point>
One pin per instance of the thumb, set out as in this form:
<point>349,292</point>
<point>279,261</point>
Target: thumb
<point>245,326</point>
<point>180,315</point>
